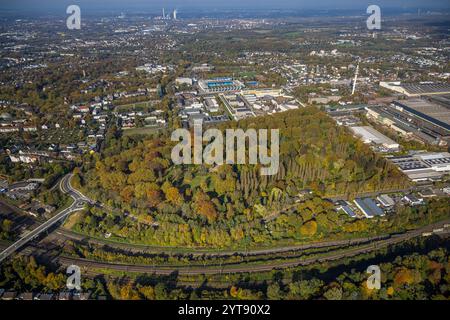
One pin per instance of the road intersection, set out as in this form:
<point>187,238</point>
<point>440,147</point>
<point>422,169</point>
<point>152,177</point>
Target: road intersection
<point>81,200</point>
<point>79,203</point>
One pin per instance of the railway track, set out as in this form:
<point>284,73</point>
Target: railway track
<point>153,269</point>
<point>203,252</point>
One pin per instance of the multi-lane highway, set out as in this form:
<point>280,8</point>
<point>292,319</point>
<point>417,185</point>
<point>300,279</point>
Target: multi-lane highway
<point>79,202</point>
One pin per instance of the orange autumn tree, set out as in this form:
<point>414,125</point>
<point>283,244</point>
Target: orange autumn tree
<point>205,207</point>
<point>406,276</point>
<point>309,228</point>
<point>153,196</point>
<point>127,194</point>
<point>172,194</point>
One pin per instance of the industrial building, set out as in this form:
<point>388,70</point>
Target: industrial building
<point>421,108</point>
<point>206,119</point>
<point>386,201</point>
<point>211,104</point>
<point>424,166</point>
<point>344,206</point>
<point>371,136</point>
<point>385,117</point>
<point>369,208</point>
<point>185,81</point>
<point>269,101</point>
<point>237,106</point>
<point>413,200</point>
<point>263,92</point>
<point>430,115</point>
<point>409,125</point>
<point>417,90</point>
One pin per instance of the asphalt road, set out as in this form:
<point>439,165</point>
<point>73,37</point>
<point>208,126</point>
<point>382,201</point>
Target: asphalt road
<point>79,202</point>
<point>364,246</point>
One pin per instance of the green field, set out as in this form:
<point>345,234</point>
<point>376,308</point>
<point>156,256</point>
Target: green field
<point>138,106</point>
<point>141,131</point>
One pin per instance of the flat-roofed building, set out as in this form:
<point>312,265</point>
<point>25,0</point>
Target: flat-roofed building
<point>427,112</point>
<point>424,166</point>
<point>369,208</point>
<point>9,295</point>
<point>443,100</point>
<point>386,201</point>
<point>211,104</point>
<point>26,296</point>
<point>262,92</point>
<point>347,209</point>
<point>413,200</point>
<point>431,116</point>
<point>220,85</point>
<point>186,81</point>
<point>409,124</point>
<point>437,161</point>
<point>417,89</point>
<point>369,135</point>
<point>237,106</point>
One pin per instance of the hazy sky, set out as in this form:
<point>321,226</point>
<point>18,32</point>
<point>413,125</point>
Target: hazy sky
<point>108,5</point>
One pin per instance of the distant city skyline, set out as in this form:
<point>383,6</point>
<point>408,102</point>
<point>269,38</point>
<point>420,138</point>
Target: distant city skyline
<point>132,5</point>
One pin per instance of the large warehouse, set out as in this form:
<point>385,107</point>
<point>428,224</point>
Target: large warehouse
<point>371,136</point>
<point>369,208</point>
<point>431,116</point>
<point>424,166</point>
<point>417,89</point>
<point>427,111</point>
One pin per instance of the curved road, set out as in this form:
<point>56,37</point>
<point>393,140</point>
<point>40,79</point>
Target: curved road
<point>369,245</point>
<point>79,202</point>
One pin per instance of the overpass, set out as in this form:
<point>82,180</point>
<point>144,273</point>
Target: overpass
<point>80,201</point>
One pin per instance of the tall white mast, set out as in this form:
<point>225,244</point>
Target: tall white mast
<point>356,79</point>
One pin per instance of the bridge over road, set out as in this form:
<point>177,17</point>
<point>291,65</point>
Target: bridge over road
<point>79,202</point>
